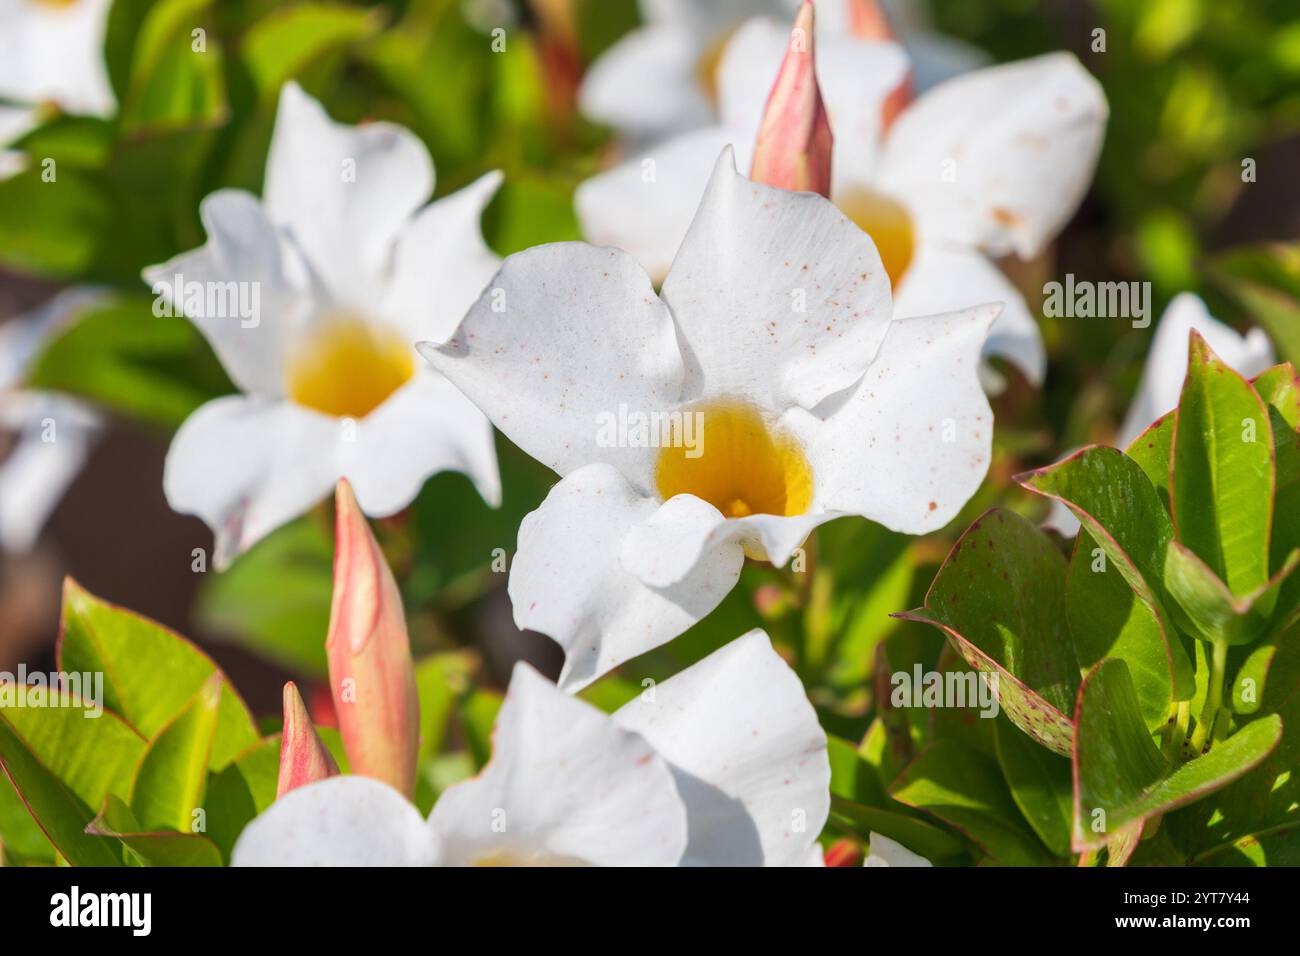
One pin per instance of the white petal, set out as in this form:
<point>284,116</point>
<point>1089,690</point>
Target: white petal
<point>646,83</point>
<point>999,158</point>
<point>946,278</point>
<point>749,755</point>
<point>425,427</point>
<point>567,583</point>
<point>911,444</point>
<point>645,205</point>
<point>856,76</point>
<point>441,263</point>
<point>343,191</point>
<point>667,546</point>
<point>753,259</point>
<point>886,852</point>
<point>566,785</point>
<point>248,465</point>
<point>36,472</point>
<point>56,52</point>
<point>245,255</point>
<point>579,332</point>
<point>1166,365</point>
<point>342,821</point>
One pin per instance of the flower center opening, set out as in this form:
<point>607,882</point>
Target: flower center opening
<point>56,4</point>
<point>735,463</point>
<point>887,223</point>
<point>348,367</point>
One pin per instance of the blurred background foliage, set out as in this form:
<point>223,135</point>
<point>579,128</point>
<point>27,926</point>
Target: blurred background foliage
<point>1196,89</point>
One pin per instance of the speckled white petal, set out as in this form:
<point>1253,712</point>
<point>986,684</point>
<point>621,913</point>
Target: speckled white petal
<point>566,581</point>
<point>51,51</point>
<point>564,335</point>
<point>886,852</point>
<point>645,205</point>
<point>748,753</point>
<point>243,247</point>
<point>341,821</point>
<point>441,263</point>
<point>566,786</point>
<point>667,546</point>
<point>855,76</point>
<point>646,83</point>
<point>911,443</point>
<point>248,465</point>
<point>778,297</point>
<point>343,191</point>
<point>999,158</point>
<point>1166,364</point>
<point>946,278</point>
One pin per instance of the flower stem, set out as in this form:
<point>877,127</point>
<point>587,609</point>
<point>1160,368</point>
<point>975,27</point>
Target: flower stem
<point>1213,697</point>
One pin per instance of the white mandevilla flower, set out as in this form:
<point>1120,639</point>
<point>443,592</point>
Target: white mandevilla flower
<point>348,268</point>
<point>722,764</point>
<point>773,343</point>
<point>50,51</point>
<point>988,164</point>
<point>52,434</point>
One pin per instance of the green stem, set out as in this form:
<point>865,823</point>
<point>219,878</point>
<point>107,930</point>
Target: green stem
<point>1213,697</point>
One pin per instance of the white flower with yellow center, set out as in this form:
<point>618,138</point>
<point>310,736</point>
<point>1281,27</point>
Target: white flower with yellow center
<point>766,391</point>
<point>988,164</point>
<point>50,51</point>
<point>313,298</point>
<point>723,764</point>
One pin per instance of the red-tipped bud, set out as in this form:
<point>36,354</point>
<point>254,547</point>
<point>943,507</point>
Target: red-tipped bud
<point>844,852</point>
<point>303,758</point>
<point>371,674</point>
<point>794,140</point>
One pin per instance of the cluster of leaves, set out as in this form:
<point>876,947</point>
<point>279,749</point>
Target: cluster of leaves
<point>1148,678</point>
<point>173,767</point>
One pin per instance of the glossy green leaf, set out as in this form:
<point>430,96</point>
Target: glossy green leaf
<point>150,673</point>
<point>1116,502</point>
<point>1107,620</point>
<point>285,42</point>
<point>1040,785</point>
<point>1223,476</point>
<point>172,82</point>
<point>1152,450</point>
<point>245,787</point>
<point>1214,611</point>
<point>967,791</point>
<point>172,776</point>
<point>1121,778</point>
<point>1000,597</point>
<point>930,841</point>
<point>117,820</point>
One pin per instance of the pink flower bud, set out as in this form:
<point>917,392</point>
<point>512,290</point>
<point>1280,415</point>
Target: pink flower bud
<point>794,140</point>
<point>303,758</point>
<point>371,675</point>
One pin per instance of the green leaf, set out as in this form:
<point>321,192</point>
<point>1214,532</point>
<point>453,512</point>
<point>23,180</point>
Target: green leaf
<point>1122,779</point>
<point>150,673</point>
<point>1280,390</point>
<point>1116,502</point>
<point>244,788</point>
<point>967,791</point>
<point>1265,281</point>
<point>275,599</point>
<point>1040,785</point>
<point>172,776</point>
<point>1152,449</point>
<point>123,357</point>
<point>919,836</point>
<point>1223,475</point>
<point>61,813</point>
<point>1107,620</point>
<point>478,715</point>
<point>851,776</point>
<point>152,849</point>
<point>1000,599</point>
<point>171,83</point>
<point>1216,613</point>
<point>288,40</point>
